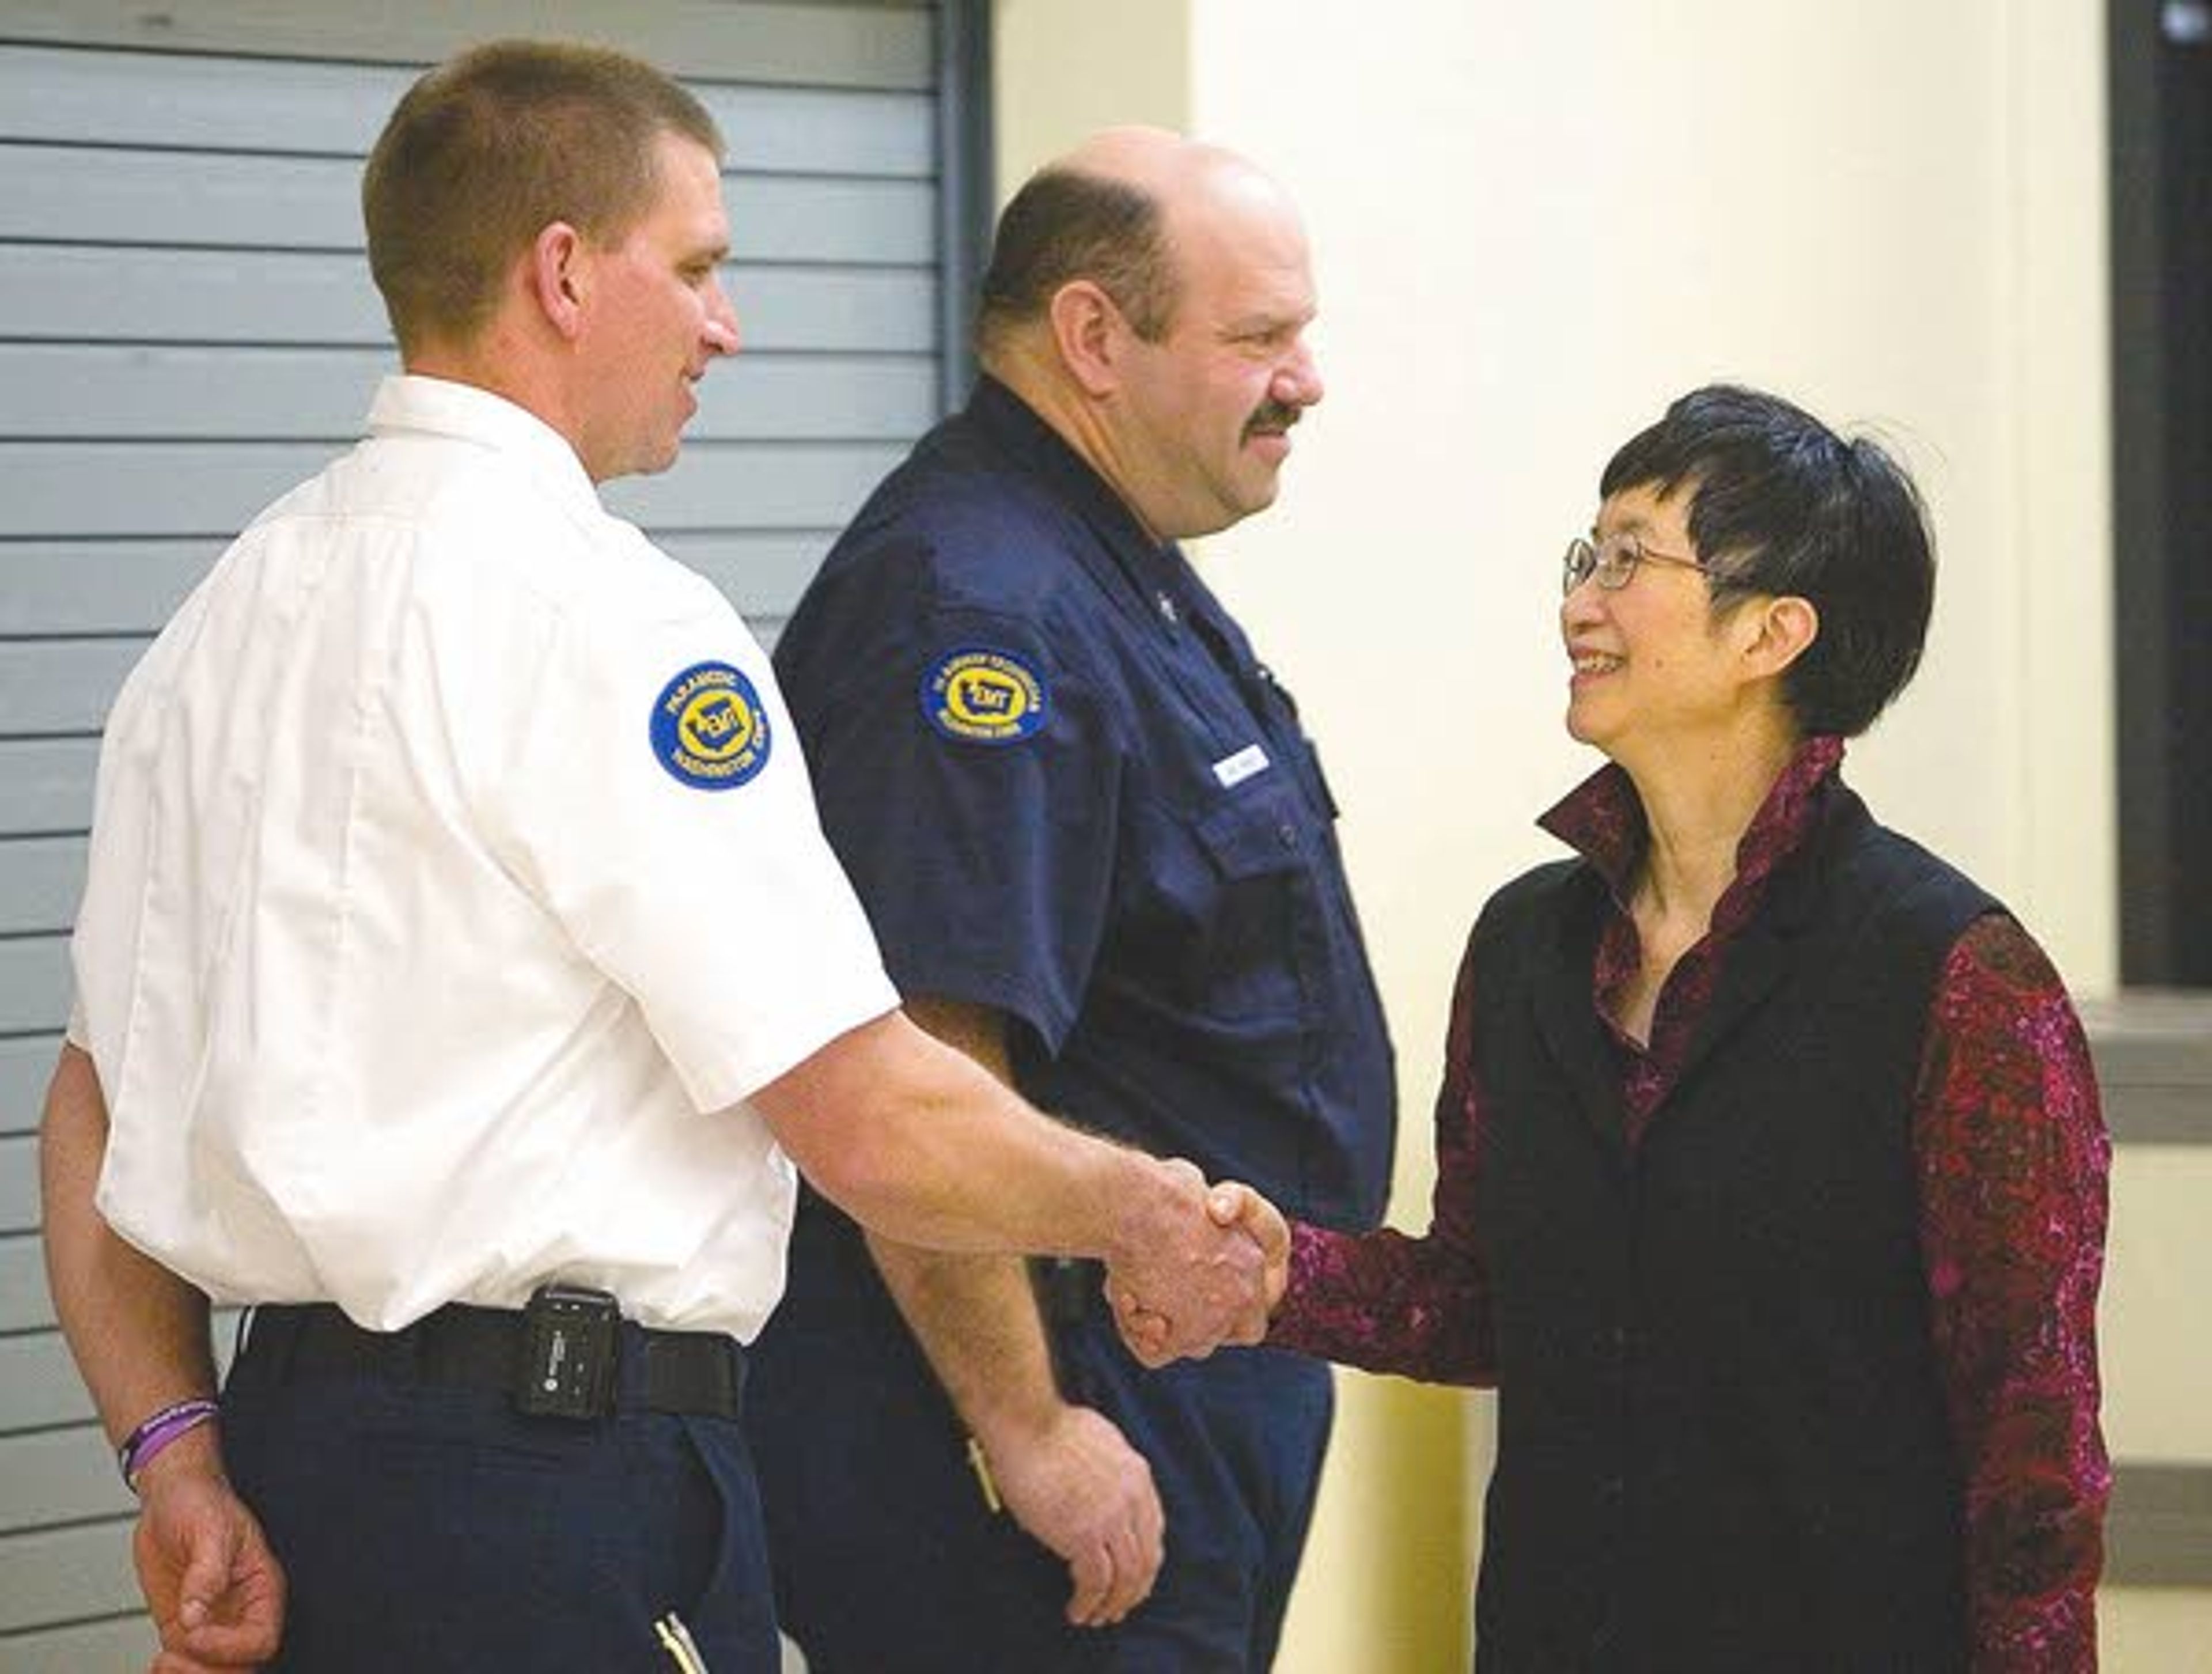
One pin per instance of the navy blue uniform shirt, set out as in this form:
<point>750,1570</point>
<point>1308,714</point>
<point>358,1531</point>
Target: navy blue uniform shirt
<point>1067,790</point>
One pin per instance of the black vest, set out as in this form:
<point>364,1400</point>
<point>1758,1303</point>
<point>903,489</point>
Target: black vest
<point>1722,1442</point>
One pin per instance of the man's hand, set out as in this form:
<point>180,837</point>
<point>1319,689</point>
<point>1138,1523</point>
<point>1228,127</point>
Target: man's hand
<point>1210,1274</point>
<point>214,1588</point>
<point>1079,1489</point>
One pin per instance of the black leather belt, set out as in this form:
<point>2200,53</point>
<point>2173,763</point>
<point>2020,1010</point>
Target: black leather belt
<point>701,1374</point>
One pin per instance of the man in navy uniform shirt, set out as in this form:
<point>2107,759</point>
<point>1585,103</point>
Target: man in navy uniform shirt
<point>1098,853</point>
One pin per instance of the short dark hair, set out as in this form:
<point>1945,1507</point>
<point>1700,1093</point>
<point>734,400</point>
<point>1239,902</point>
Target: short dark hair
<point>1781,504</point>
<point>489,147</point>
<point>1066,224</point>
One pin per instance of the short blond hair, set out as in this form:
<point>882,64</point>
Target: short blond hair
<point>488,149</point>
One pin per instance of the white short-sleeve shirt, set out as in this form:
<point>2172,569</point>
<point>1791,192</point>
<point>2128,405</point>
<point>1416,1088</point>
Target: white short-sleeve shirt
<point>454,880</point>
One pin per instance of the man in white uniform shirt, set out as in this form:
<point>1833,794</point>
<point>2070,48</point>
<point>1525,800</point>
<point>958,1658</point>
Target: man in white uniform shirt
<point>461,973</point>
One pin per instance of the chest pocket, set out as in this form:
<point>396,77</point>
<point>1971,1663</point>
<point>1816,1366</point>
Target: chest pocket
<point>1261,932</point>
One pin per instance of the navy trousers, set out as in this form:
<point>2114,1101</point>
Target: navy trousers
<point>888,1560</point>
<point>434,1530</point>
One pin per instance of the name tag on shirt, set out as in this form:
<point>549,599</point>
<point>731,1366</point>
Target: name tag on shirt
<point>1236,768</point>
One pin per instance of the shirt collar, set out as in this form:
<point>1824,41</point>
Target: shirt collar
<point>410,402</point>
<point>1016,426</point>
<point>1603,820</point>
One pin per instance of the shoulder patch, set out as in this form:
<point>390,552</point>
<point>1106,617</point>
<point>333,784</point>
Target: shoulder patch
<point>984,697</point>
<point>709,730</point>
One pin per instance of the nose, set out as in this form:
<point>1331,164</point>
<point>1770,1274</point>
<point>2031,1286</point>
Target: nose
<point>722,332</point>
<point>1581,606</point>
<point>1298,381</point>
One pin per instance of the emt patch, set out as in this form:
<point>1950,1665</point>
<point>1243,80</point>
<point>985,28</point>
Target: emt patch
<point>709,730</point>
<point>984,697</point>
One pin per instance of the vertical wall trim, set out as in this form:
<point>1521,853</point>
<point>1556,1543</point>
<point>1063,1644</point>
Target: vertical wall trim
<point>2139,592</point>
<point>966,193</point>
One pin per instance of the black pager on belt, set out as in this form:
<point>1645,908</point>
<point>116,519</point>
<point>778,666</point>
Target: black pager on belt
<point>569,1339</point>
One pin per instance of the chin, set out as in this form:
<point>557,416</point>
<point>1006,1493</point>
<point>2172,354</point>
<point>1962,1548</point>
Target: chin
<point>1258,498</point>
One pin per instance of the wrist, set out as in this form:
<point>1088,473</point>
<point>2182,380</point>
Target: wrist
<point>196,1455</point>
<point>1004,1426</point>
<point>1146,1195</point>
<point>178,1436</point>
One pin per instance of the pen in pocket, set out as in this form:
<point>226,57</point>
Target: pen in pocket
<point>675,1640</point>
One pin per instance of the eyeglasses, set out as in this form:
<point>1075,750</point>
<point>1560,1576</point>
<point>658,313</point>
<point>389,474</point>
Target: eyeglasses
<point>1613,562</point>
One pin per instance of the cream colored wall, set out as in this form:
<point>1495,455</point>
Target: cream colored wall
<point>1063,70</point>
<point>1532,227</point>
<point>2157,1366</point>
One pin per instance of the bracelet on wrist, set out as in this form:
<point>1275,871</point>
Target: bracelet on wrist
<point>179,1418</point>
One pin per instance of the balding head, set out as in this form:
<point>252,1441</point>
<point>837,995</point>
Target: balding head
<point>1119,211</point>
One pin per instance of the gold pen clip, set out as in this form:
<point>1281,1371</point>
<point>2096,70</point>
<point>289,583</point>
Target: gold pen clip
<point>675,1640</point>
<point>984,1479</point>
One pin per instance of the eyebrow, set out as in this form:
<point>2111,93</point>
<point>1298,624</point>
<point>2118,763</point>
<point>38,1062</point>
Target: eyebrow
<point>1266,320</point>
<point>1631,524</point>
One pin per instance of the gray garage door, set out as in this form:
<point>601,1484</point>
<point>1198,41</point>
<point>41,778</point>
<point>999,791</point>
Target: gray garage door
<point>187,327</point>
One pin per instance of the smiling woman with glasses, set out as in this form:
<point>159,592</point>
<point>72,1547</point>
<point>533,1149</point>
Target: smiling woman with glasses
<point>1771,1177</point>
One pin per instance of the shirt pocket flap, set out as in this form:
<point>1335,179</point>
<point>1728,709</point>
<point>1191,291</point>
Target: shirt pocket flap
<point>1251,835</point>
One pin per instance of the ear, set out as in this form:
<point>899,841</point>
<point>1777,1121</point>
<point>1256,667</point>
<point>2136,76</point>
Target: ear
<point>1776,632</point>
<point>557,276</point>
<point>1088,330</point>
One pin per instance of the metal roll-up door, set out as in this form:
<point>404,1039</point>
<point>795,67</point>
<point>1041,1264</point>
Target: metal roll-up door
<point>187,328</point>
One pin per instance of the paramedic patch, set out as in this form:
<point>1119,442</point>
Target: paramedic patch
<point>709,730</point>
<point>984,697</point>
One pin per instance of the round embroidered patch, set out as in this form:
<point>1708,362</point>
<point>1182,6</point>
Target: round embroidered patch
<point>984,697</point>
<point>709,730</point>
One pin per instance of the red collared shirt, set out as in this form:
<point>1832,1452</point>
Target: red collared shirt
<point>2012,1158</point>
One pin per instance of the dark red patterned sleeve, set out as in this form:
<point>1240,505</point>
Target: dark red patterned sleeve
<point>2014,1162</point>
<point>1417,1306</point>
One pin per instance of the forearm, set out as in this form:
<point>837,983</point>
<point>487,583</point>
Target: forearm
<point>924,1147</point>
<point>977,1321</point>
<point>139,1334</point>
<point>1387,1303</point>
<point>975,1317</point>
<point>1064,1473</point>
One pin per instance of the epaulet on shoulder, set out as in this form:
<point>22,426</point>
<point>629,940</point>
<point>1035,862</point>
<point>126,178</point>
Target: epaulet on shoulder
<point>995,551</point>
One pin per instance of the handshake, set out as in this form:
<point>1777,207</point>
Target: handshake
<point>1197,1267</point>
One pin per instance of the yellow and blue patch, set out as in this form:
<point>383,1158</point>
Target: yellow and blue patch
<point>709,730</point>
<point>984,697</point>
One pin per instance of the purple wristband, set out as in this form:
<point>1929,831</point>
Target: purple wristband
<point>140,1447</point>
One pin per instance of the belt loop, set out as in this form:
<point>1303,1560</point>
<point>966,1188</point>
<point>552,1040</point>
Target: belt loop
<point>411,1346</point>
<point>240,1332</point>
<point>244,1335</point>
<point>632,1379</point>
